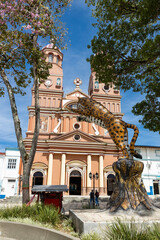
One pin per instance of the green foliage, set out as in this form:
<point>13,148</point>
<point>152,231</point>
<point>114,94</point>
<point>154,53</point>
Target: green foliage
<point>125,231</point>
<point>67,226</point>
<point>37,212</point>
<point>126,51</point>
<point>154,232</point>
<point>23,24</point>
<point>91,236</point>
<point>131,231</point>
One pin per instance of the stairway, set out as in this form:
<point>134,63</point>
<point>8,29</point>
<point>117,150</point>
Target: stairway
<point>82,202</point>
<point>69,202</point>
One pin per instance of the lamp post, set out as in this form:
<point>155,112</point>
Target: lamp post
<point>93,176</point>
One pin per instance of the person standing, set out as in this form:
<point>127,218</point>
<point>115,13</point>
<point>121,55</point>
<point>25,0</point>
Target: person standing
<point>97,198</point>
<point>91,198</point>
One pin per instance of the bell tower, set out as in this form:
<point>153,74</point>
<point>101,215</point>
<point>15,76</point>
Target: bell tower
<point>51,90</point>
<point>50,93</point>
<point>106,94</point>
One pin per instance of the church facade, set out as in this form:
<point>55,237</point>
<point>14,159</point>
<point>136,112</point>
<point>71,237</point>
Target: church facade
<point>68,150</point>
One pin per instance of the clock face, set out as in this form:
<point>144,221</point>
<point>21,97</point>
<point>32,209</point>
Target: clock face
<point>48,83</point>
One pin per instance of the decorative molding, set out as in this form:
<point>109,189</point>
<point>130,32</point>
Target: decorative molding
<point>38,170</point>
<point>108,173</point>
<point>95,129</point>
<point>77,169</point>
<point>58,125</point>
<point>58,75</point>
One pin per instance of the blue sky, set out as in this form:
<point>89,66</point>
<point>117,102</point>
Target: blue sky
<point>80,32</point>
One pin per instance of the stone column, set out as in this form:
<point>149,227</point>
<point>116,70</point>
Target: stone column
<point>70,123</point>
<point>88,171</point>
<point>50,169</point>
<point>63,161</point>
<point>101,173</point>
<point>84,181</point>
<point>67,124</point>
<point>64,124</point>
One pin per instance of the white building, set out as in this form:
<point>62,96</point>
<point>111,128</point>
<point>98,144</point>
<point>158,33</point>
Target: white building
<point>9,172</point>
<point>2,158</point>
<point>151,172</point>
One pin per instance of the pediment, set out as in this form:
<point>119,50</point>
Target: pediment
<point>73,97</point>
<point>71,137</point>
<point>76,93</point>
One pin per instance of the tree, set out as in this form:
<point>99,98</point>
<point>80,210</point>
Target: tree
<point>23,23</point>
<point>126,51</point>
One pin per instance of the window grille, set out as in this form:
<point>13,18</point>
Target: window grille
<point>12,163</point>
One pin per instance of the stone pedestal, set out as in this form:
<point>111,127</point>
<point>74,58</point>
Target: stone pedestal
<point>130,191</point>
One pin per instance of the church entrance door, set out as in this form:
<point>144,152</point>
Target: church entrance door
<point>75,183</point>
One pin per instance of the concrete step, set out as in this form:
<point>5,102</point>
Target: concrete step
<point>84,199</point>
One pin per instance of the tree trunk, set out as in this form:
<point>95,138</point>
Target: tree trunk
<point>27,159</point>
<point>17,125</point>
<point>28,165</point>
<point>25,184</point>
<point>130,191</point>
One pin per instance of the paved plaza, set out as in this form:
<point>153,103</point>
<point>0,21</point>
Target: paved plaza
<point>89,220</point>
<point>86,219</point>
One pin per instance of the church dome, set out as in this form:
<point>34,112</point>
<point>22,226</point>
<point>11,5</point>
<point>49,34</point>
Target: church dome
<point>51,46</point>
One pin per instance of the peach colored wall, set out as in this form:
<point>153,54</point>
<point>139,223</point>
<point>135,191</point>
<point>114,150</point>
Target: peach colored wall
<point>71,157</point>
<point>41,157</point>
<point>56,169</point>
<point>109,160</point>
<point>30,123</point>
<point>95,168</point>
<point>55,122</point>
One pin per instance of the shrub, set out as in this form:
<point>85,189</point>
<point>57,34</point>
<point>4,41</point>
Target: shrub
<point>126,231</point>
<point>37,212</point>
<point>154,232</point>
<point>46,214</point>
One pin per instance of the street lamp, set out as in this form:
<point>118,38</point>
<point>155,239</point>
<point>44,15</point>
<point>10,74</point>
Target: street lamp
<point>93,176</point>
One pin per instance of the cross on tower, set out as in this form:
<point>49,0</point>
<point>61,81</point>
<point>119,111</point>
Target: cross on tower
<point>77,82</point>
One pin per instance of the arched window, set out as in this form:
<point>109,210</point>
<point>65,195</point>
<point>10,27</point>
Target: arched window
<point>50,57</point>
<point>96,85</point>
<point>58,82</point>
<point>37,178</point>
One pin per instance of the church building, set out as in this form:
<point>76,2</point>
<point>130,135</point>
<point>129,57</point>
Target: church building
<point>67,150</point>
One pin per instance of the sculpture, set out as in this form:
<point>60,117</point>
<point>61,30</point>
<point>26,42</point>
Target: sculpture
<point>129,191</point>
